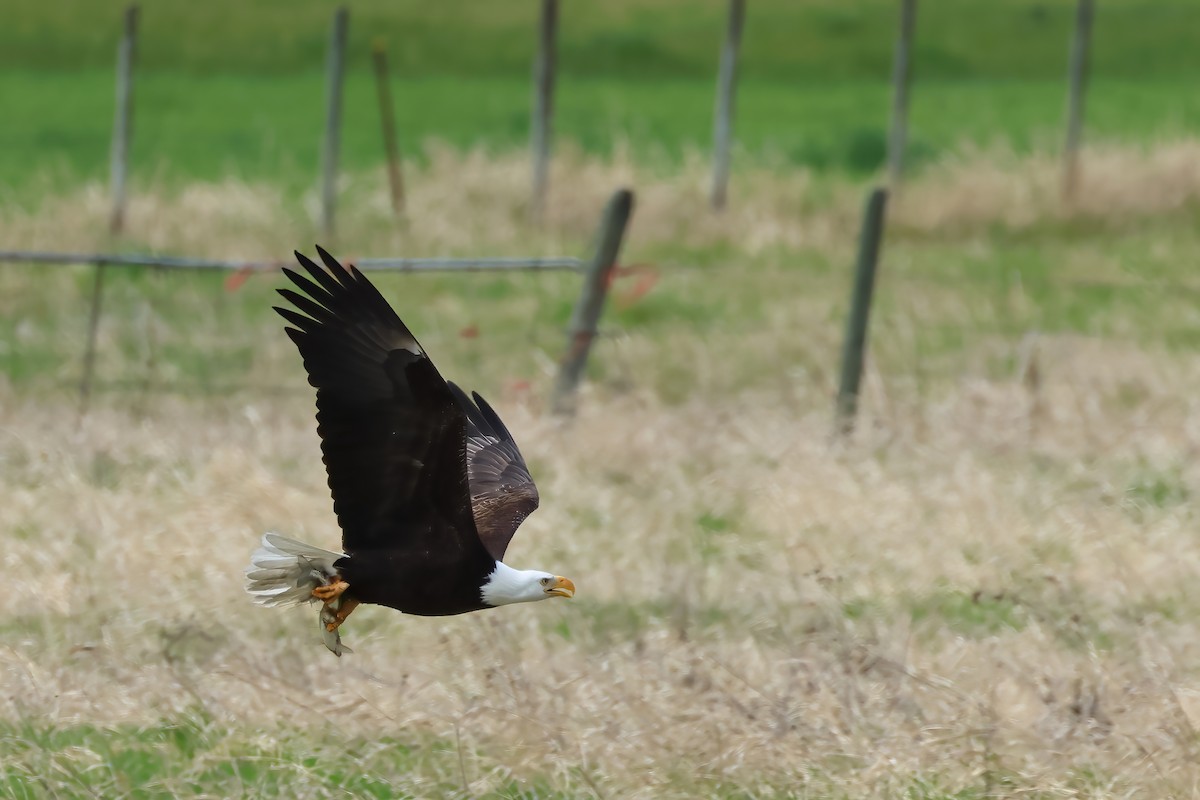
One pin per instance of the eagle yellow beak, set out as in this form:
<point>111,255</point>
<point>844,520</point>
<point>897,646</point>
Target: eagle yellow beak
<point>562,587</point>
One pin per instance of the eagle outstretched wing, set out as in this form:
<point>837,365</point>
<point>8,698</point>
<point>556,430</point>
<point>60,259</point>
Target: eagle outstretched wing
<point>392,433</point>
<point>502,490</point>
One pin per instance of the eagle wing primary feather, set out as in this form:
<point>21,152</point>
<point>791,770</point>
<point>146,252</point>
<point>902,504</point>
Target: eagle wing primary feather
<point>502,490</point>
<point>392,433</point>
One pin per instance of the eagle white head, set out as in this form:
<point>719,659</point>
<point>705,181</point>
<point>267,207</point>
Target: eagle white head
<point>507,585</point>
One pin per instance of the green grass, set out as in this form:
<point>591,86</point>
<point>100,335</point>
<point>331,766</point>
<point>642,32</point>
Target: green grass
<point>644,40</point>
<point>193,754</point>
<point>241,92</point>
<point>269,127</point>
<point>975,613</point>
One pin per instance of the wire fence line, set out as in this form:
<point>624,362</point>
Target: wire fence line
<point>258,265</point>
<point>598,272</point>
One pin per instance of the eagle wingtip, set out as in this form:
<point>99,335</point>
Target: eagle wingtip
<point>306,262</point>
<point>331,263</point>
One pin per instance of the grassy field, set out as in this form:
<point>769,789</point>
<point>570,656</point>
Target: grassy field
<point>231,91</point>
<point>989,591</point>
<point>634,39</point>
<point>269,127</point>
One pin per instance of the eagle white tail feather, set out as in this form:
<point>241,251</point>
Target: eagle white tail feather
<point>283,571</point>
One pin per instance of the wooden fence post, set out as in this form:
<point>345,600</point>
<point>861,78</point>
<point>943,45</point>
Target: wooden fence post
<point>387,117</point>
<point>123,119</point>
<point>726,97</point>
<point>901,77</point>
<point>543,105</point>
<point>860,309</point>
<point>336,68</point>
<point>1078,79</point>
<point>596,282</point>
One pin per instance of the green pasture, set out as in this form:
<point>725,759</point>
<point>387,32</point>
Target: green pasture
<point>269,127</point>
<point>639,40</point>
<point>230,89</point>
<point>194,755</point>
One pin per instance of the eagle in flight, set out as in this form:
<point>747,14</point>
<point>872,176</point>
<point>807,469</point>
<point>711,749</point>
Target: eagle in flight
<point>428,485</point>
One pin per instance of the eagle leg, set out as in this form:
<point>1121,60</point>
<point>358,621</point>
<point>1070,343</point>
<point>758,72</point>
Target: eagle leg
<point>330,591</point>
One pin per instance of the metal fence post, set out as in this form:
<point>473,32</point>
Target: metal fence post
<point>588,308</point>
<point>726,96</point>
<point>860,309</point>
<point>543,105</point>
<point>1078,78</point>
<point>901,77</point>
<point>123,118</point>
<point>333,120</point>
<point>387,117</point>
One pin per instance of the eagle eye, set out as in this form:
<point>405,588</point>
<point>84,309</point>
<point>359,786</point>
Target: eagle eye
<point>545,581</point>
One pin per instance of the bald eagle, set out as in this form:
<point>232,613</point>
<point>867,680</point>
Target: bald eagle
<point>428,485</point>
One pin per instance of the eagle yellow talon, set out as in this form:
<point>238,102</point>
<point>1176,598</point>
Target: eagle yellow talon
<point>333,619</point>
<point>331,591</point>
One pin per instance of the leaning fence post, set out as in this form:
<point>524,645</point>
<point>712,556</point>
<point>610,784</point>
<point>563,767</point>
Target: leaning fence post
<point>726,95</point>
<point>901,77</point>
<point>333,120</point>
<point>1078,77</point>
<point>387,116</point>
<point>860,309</point>
<point>89,353</point>
<point>123,118</point>
<point>543,105</point>
<point>596,280</point>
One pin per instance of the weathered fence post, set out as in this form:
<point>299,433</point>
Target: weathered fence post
<point>89,353</point>
<point>901,77</point>
<point>333,120</point>
<point>596,281</point>
<point>387,117</point>
<point>543,105</point>
<point>1078,78</point>
<point>123,118</point>
<point>726,97</point>
<point>122,134</point>
<point>860,309</point>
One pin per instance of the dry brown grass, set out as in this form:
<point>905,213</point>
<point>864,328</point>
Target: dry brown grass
<point>1121,184</point>
<point>988,590</point>
<point>775,207</point>
<point>787,644</point>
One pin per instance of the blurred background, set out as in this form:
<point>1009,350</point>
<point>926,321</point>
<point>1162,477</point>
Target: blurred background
<point>225,90</point>
<point>982,587</point>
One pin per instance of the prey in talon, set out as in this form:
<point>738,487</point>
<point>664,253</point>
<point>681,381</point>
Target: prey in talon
<point>336,606</point>
<point>428,484</point>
